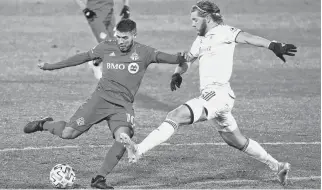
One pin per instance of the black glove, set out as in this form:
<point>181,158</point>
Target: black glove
<point>97,62</point>
<point>176,81</point>
<point>89,14</point>
<point>281,49</point>
<point>125,12</point>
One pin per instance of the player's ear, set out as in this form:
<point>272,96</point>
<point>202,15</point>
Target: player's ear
<point>134,33</point>
<point>208,18</point>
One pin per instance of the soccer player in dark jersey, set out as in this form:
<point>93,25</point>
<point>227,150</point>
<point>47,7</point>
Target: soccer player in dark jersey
<point>124,64</point>
<point>101,19</point>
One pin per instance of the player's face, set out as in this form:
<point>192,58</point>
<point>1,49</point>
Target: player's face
<point>124,40</point>
<point>199,23</point>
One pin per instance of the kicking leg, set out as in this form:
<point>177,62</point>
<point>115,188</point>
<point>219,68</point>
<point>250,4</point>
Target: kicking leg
<point>179,116</point>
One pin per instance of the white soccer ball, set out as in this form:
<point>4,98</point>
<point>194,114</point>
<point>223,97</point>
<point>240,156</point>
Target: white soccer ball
<point>62,176</point>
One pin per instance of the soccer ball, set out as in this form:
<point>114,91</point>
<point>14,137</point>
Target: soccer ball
<point>62,176</point>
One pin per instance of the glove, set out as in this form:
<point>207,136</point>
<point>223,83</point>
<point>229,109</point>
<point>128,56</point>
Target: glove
<point>125,12</point>
<point>281,49</point>
<point>97,62</point>
<point>176,81</point>
<point>89,14</point>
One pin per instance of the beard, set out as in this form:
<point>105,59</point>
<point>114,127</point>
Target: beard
<point>203,27</point>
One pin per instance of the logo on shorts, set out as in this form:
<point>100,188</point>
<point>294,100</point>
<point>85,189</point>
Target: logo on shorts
<point>133,68</point>
<point>80,121</point>
<point>208,95</point>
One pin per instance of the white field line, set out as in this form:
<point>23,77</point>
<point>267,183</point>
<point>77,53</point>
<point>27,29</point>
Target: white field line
<point>164,144</point>
<point>236,181</point>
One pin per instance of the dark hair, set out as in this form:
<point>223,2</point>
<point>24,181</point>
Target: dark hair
<point>208,7</point>
<point>126,25</point>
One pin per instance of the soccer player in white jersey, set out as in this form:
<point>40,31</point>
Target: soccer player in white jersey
<point>214,47</point>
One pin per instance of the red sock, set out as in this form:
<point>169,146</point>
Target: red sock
<point>55,127</point>
<point>112,157</point>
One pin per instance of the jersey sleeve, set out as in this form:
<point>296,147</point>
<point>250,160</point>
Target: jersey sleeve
<point>97,51</point>
<point>231,34</point>
<point>152,56</point>
<point>194,50</point>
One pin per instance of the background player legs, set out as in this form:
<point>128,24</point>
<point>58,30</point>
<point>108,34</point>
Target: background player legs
<point>102,24</point>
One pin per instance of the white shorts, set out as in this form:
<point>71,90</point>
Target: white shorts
<point>218,104</point>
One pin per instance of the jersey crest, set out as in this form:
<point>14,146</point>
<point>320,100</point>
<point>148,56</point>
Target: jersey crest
<point>134,56</point>
<point>133,68</point>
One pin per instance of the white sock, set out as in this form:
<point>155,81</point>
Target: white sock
<point>157,136</point>
<point>256,151</point>
<point>96,69</point>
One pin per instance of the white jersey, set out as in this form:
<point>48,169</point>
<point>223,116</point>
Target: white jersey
<point>215,51</point>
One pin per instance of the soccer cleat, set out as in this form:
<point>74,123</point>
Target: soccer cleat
<point>282,173</point>
<point>36,125</point>
<point>99,182</point>
<point>131,148</point>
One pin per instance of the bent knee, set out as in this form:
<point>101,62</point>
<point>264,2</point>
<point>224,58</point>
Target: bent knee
<point>70,133</point>
<point>126,130</point>
<point>180,115</point>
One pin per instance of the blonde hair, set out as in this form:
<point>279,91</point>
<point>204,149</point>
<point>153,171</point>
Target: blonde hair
<point>208,7</point>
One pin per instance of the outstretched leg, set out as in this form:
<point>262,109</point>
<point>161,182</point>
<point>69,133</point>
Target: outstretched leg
<point>177,117</point>
<point>233,137</point>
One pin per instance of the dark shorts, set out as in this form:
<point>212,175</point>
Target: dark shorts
<point>103,23</point>
<point>97,109</point>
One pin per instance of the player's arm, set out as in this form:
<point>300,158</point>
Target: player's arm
<point>161,57</point>
<point>176,78</point>
<point>183,67</point>
<point>70,62</point>
<point>279,49</point>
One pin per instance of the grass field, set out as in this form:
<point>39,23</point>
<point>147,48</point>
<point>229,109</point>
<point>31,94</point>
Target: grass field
<point>277,104</point>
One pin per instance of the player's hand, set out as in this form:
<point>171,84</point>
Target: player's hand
<point>43,66</point>
<point>97,62</point>
<point>176,81</point>
<point>89,14</point>
<point>281,49</point>
<point>125,12</point>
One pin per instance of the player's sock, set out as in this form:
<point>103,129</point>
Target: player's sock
<point>255,150</point>
<point>96,69</point>
<point>55,127</point>
<point>112,158</point>
<point>157,136</point>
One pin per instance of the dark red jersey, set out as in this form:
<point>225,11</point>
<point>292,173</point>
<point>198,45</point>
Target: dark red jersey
<point>122,71</point>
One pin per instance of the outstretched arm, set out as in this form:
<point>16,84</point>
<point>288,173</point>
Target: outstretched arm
<point>279,49</point>
<point>72,61</point>
<point>162,57</point>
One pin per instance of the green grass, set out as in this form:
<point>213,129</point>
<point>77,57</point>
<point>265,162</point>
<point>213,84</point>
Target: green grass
<point>275,102</point>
